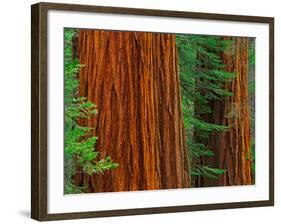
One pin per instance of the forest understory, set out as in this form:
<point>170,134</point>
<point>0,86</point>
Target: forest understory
<point>147,111</point>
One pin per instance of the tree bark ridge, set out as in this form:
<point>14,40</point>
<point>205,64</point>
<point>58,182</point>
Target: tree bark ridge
<point>132,77</point>
<point>232,148</point>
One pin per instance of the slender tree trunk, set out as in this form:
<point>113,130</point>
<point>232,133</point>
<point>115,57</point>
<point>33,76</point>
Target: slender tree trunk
<point>132,77</point>
<point>232,148</point>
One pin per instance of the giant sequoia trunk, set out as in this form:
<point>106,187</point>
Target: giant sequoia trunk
<point>132,77</point>
<point>232,148</point>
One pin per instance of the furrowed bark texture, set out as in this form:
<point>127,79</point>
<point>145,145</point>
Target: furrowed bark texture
<point>132,77</point>
<point>232,148</point>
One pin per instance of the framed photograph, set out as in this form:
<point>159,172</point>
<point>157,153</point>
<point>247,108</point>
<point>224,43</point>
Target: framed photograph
<point>138,111</point>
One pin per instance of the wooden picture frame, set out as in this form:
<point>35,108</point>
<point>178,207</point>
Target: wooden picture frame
<point>39,109</point>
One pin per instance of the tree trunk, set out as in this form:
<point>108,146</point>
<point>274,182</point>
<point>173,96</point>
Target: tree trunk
<point>232,148</point>
<point>132,77</point>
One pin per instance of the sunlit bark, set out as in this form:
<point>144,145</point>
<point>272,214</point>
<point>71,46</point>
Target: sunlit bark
<point>132,77</point>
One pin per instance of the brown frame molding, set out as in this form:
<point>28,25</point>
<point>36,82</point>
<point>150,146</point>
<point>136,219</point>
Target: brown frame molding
<point>39,110</point>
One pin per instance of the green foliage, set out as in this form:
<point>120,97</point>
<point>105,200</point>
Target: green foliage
<point>207,171</point>
<point>253,155</point>
<point>79,142</point>
<point>100,166</point>
<point>252,58</point>
<point>251,88</point>
<point>70,188</point>
<point>202,78</point>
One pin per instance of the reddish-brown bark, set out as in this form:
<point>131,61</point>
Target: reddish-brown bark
<point>132,77</point>
<point>232,147</point>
